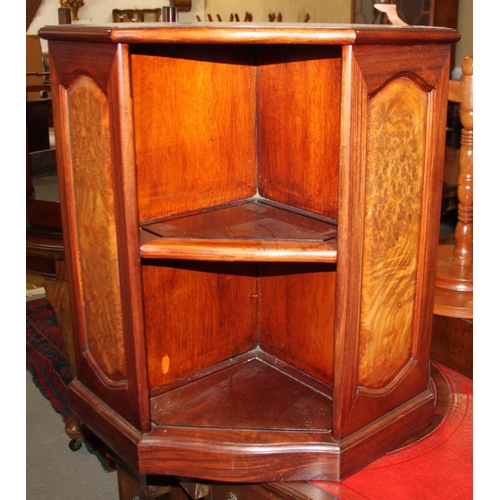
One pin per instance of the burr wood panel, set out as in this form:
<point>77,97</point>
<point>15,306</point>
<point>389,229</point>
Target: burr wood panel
<point>393,206</point>
<point>89,139</point>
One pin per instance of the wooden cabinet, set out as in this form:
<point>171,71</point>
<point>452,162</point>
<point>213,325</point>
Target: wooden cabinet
<point>251,216</point>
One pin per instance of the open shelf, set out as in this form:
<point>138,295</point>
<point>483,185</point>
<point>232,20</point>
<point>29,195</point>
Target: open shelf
<point>253,392</point>
<point>248,230</point>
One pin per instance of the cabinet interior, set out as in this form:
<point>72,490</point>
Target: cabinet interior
<point>233,144</point>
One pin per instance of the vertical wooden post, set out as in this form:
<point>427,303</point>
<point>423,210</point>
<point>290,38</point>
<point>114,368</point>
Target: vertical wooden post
<point>462,254</point>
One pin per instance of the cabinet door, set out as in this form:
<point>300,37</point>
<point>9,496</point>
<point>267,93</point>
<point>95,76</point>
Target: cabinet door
<point>96,170</point>
<point>389,202</point>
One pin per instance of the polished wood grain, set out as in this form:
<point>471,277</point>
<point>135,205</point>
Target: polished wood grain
<point>268,197</point>
<point>236,250</point>
<point>366,74</point>
<point>187,329</point>
<point>244,34</point>
<point>96,225</point>
<point>393,206</point>
<point>293,91</point>
<point>235,397</point>
<point>211,103</point>
<point>249,230</point>
<point>299,327</point>
<point>96,84</point>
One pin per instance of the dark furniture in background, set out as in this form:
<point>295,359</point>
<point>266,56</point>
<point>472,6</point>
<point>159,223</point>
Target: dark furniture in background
<point>452,339</point>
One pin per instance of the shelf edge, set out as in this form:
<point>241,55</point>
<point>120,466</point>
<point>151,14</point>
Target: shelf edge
<point>236,250</point>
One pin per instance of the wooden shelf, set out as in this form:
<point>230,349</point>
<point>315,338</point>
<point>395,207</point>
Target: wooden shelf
<point>248,230</point>
<point>254,392</point>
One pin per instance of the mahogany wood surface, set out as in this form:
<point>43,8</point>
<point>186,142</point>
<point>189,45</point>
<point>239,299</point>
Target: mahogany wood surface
<point>181,343</point>
<point>252,33</point>
<point>293,129</point>
<point>219,166</point>
<point>70,74</point>
<point>249,230</point>
<point>251,218</point>
<point>304,290</point>
<point>235,397</point>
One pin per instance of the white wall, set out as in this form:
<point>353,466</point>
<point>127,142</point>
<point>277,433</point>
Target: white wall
<point>99,11</point>
<point>464,46</point>
<point>329,11</point>
<point>293,11</point>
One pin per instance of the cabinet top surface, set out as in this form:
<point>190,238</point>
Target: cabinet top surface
<point>250,33</point>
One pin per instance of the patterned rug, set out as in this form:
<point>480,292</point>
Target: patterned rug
<point>48,364</point>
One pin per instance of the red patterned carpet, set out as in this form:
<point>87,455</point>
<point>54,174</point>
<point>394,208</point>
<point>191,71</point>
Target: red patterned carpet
<point>436,466</point>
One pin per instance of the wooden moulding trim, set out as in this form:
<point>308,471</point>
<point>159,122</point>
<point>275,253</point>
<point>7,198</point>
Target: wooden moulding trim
<point>102,420</point>
<point>264,456</point>
<point>385,434</point>
<point>239,250</point>
<point>219,462</point>
<point>170,450</point>
<point>453,303</point>
<point>405,411</point>
<point>317,34</point>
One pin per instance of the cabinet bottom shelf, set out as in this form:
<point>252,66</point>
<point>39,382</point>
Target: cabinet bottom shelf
<point>249,421</point>
<point>256,392</point>
<point>252,418</point>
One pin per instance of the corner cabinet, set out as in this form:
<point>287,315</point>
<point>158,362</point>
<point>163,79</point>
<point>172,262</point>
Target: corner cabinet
<point>251,217</point>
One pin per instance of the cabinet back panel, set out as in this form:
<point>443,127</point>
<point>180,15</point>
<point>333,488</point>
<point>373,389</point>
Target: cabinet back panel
<point>194,133</point>
<point>298,104</point>
<point>197,314</point>
<point>296,316</point>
